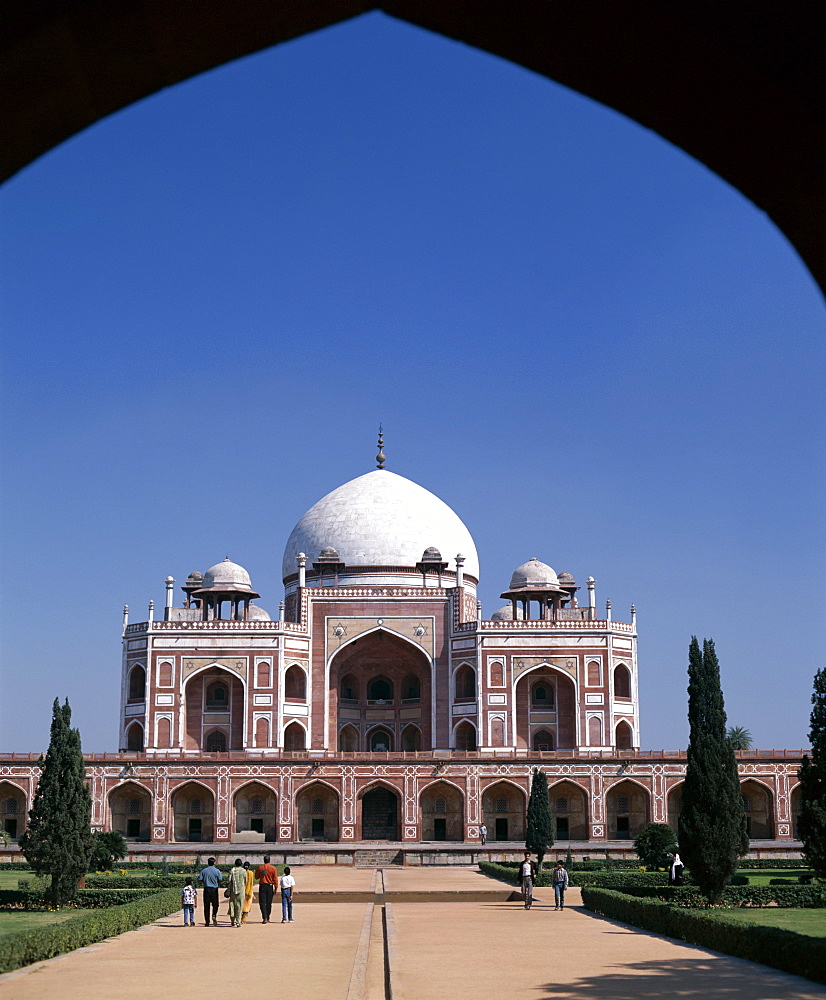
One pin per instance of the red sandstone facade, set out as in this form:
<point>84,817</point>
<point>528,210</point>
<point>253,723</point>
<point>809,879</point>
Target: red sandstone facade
<point>381,707</point>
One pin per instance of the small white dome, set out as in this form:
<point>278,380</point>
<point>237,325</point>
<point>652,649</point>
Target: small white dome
<point>505,614</point>
<point>533,573</point>
<point>228,576</point>
<point>381,519</point>
<point>256,614</point>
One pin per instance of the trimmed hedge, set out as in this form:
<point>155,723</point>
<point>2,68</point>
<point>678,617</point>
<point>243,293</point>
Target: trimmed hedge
<point>614,879</point>
<point>782,949</point>
<point>35,945</point>
<point>800,897</point>
<point>86,899</point>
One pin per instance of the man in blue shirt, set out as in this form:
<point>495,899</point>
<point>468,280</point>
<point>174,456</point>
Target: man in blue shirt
<point>211,877</point>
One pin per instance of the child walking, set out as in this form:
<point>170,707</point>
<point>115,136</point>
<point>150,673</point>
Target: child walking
<point>189,900</point>
<point>287,888</point>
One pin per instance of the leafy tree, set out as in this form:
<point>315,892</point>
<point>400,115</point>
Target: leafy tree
<point>58,840</point>
<point>107,848</point>
<point>654,844</point>
<point>540,835</point>
<point>739,738</point>
<point>812,822</point>
<point>712,826</point>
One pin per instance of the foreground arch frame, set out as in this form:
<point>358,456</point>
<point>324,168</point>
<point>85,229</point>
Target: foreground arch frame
<point>736,85</point>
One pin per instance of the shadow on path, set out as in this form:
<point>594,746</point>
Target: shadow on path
<point>697,979</point>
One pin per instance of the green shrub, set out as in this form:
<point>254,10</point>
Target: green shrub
<point>787,896</point>
<point>35,945</point>
<point>782,949</point>
<point>85,899</point>
<point>135,881</point>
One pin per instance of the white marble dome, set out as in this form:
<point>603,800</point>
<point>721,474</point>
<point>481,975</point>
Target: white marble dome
<point>381,519</point>
<point>505,614</point>
<point>228,576</point>
<point>533,573</point>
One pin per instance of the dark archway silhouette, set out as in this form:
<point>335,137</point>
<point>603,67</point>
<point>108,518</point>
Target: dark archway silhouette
<point>736,85</point>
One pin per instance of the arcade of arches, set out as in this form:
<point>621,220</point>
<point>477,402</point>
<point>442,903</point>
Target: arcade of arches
<point>441,810</point>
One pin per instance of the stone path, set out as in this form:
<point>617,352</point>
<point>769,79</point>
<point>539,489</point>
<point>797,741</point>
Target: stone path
<point>377,940</point>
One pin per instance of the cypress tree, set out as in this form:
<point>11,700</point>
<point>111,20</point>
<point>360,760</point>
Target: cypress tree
<point>58,840</point>
<point>712,823</point>
<point>540,833</point>
<point>812,822</point>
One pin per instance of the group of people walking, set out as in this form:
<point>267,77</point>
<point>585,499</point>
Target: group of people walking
<point>239,891</point>
<point>527,877</point>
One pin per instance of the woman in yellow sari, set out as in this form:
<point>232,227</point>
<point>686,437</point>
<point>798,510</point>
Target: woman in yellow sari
<point>246,906</point>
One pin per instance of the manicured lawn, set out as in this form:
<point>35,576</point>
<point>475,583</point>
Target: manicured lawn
<point>809,922</point>
<point>764,876</point>
<point>24,920</point>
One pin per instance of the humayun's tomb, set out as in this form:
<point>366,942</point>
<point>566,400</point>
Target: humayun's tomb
<point>378,709</point>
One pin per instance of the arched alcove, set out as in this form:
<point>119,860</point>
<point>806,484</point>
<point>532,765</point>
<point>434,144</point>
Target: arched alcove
<point>255,810</point>
<point>295,684</point>
<point>623,736</point>
<point>193,810</point>
<point>442,811</point>
<point>214,701</point>
<point>13,809</point>
<point>758,805</point>
<point>380,812</point>
<point>295,737</point>
<point>627,809</point>
<point>380,740</point>
<point>464,737</point>
<point>137,684</point>
<point>134,737</point>
<point>411,739</point>
<point>545,702</point>
<point>622,682</point>
<point>130,808</point>
<point>348,739</point>
<point>569,808</point>
<point>380,671</point>
<point>465,683</point>
<point>318,810</point>
<point>503,812</point>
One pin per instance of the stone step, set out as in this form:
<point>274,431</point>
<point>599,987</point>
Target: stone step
<point>378,858</point>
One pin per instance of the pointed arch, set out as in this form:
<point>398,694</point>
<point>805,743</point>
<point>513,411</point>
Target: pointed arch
<point>559,706</point>
<point>569,808</point>
<point>295,683</point>
<point>193,810</point>
<point>254,803</point>
<point>137,684</point>
<point>628,809</point>
<point>504,805</point>
<point>411,738</point>
<point>379,809</point>
<point>134,737</point>
<point>380,739</point>
<point>465,683</point>
<point>13,809</point>
<point>543,740</point>
<point>130,810</point>
<point>317,806</point>
<point>464,736</point>
<point>295,736</point>
<point>624,735</point>
<point>348,739</point>
<point>442,808</point>
<point>622,682</point>
<point>758,805</point>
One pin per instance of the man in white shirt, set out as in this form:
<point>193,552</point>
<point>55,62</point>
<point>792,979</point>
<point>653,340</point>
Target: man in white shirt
<point>527,873</point>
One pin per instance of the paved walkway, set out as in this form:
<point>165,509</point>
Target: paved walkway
<point>478,947</point>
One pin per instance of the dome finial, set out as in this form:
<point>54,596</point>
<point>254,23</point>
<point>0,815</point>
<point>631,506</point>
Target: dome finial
<point>381,458</point>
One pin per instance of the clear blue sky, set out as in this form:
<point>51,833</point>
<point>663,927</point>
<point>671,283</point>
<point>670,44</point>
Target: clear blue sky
<point>591,347</point>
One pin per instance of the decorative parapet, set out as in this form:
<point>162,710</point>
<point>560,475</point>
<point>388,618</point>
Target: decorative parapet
<point>528,625</point>
<point>217,625</point>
